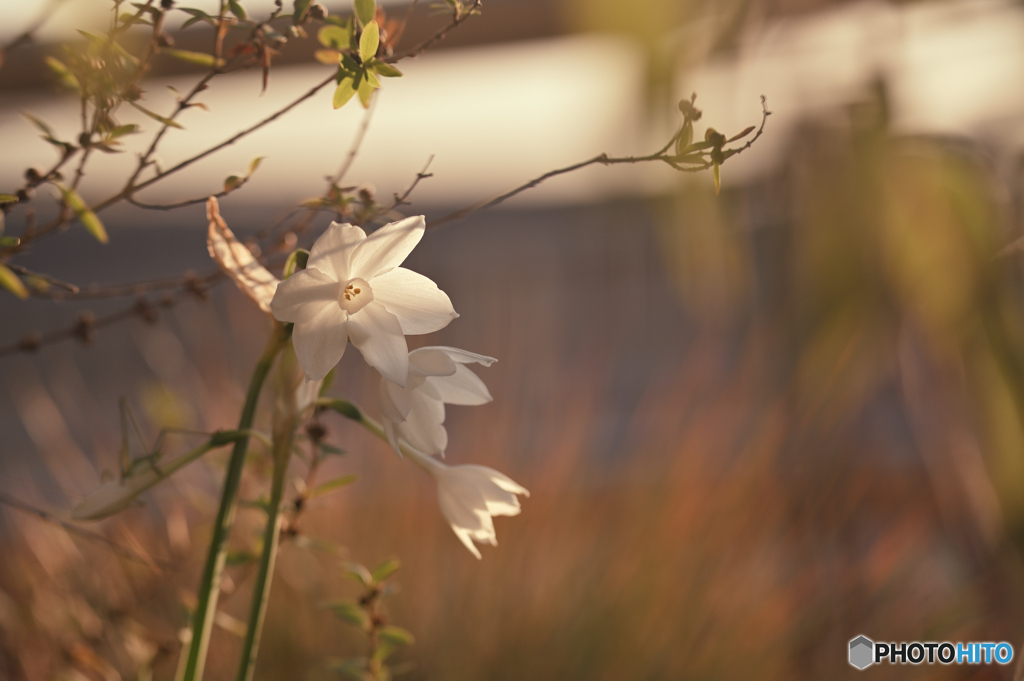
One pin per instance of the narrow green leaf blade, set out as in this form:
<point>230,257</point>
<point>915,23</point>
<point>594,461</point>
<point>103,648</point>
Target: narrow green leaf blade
<point>366,91</point>
<point>385,570</point>
<point>365,10</point>
<point>198,58</point>
<point>84,214</point>
<point>369,41</point>
<point>344,92</point>
<point>157,117</point>
<point>237,9</point>
<point>359,573</point>
<point>334,37</point>
<point>718,179</point>
<point>333,485</point>
<point>385,70</point>
<point>63,73</point>
<point>8,198</point>
<point>351,613</point>
<point>10,281</point>
<point>397,635</point>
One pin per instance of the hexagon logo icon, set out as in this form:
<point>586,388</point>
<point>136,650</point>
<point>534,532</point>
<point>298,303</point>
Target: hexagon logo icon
<point>862,651</point>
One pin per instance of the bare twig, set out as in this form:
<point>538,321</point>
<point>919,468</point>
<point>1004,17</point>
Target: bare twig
<point>357,143</point>
<point>400,200</point>
<point>456,21</point>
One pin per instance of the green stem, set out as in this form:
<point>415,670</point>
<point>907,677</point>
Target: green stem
<point>209,586</point>
<point>271,536</point>
<point>351,411</point>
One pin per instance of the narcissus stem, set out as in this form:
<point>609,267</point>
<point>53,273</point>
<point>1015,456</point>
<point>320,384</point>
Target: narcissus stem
<point>209,586</point>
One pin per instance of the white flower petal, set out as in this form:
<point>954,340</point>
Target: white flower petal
<point>463,388</point>
<point>378,335</point>
<point>418,303</point>
<point>423,427</point>
<point>469,496</point>
<point>391,430</point>
<point>332,253</point>
<point>465,356</point>
<point>431,362</point>
<point>303,296</point>
<point>395,401</point>
<point>387,247</point>
<point>320,342</point>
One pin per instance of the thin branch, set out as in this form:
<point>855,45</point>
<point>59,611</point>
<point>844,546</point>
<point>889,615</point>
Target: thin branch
<point>226,143</point>
<point>457,20</point>
<point>18,269</point>
<point>242,181</point>
<point>400,200</point>
<point>357,143</point>
<point>603,159</point>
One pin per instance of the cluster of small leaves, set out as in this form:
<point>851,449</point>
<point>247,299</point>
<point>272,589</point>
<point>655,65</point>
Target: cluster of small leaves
<point>710,151</point>
<point>357,205</point>
<point>367,615</point>
<point>353,44</point>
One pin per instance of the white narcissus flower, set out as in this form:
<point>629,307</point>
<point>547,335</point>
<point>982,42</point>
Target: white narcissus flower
<point>437,376</point>
<point>470,496</point>
<point>353,289</point>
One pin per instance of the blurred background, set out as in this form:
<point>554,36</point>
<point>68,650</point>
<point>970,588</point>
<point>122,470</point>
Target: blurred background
<point>754,426</point>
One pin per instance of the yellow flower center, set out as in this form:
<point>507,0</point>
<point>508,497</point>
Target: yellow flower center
<point>354,295</point>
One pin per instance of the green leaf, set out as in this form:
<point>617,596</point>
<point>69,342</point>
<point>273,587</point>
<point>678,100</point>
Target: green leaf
<point>351,613</point>
<point>328,57</point>
<point>157,117</point>
<point>84,214</point>
<point>349,65</point>
<point>365,11</point>
<point>369,41</point>
<point>354,669</point>
<point>344,92</point>
<point>331,450</point>
<point>718,179</point>
<point>232,182</point>
<point>9,280</point>
<point>197,15</point>
<point>366,91</point>
<point>45,129</point>
<point>122,130</point>
<point>397,635</point>
<point>254,164</point>
<point>9,241</point>
<point>359,573</point>
<point>241,557</point>
<point>385,570</point>
<point>237,9</point>
<point>301,8</point>
<point>297,260</point>
<point>8,198</point>
<point>371,78</point>
<point>335,484</point>
<point>62,71</point>
<point>385,70</point>
<point>198,58</point>
<point>334,37</point>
